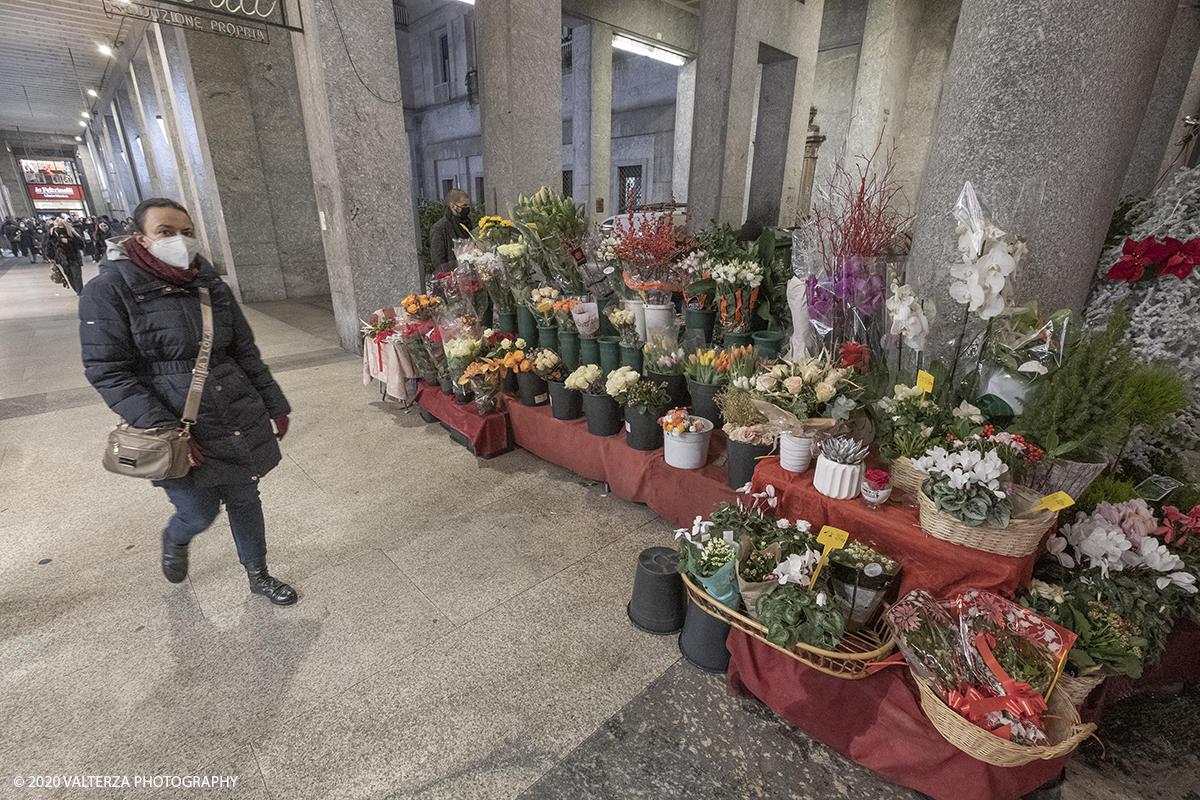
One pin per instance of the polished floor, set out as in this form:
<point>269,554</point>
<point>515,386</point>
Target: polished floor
<point>461,631</point>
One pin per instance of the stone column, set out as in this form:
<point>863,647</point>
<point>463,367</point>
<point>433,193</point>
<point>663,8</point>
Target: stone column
<point>148,107</point>
<point>127,113</point>
<point>1035,113</point>
<point>884,63</point>
<point>174,107</point>
<point>251,127</point>
<point>732,35</point>
<point>591,118</point>
<point>354,122</point>
<point>1157,143</point>
<point>118,161</point>
<point>519,45</point>
<point>685,108</point>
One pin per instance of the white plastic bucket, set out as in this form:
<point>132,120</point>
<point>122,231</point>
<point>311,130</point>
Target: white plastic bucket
<point>660,320</point>
<point>795,452</point>
<point>638,308</point>
<point>688,450</point>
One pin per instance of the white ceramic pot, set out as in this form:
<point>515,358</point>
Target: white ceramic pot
<point>795,452</point>
<point>638,309</point>
<point>660,319</point>
<point>688,450</point>
<point>839,481</point>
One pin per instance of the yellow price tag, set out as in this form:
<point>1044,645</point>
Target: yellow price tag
<point>1055,502</point>
<point>832,539</point>
<point>924,381</point>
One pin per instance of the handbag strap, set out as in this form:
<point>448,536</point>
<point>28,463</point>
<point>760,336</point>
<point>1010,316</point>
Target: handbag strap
<point>200,371</point>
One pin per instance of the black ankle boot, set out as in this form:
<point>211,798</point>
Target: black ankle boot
<point>273,589</point>
<point>174,560</point>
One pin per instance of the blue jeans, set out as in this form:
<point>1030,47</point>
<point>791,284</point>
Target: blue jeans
<point>196,508</point>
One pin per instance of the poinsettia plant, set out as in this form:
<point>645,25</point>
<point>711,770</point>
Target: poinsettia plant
<point>1170,256</point>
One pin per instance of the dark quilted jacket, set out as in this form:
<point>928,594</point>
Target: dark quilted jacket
<point>140,340</point>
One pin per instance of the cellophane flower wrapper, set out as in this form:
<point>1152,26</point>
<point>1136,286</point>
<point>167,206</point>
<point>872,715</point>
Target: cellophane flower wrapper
<point>722,585</point>
<point>489,267</point>
<point>846,300</point>
<point>929,638</point>
<point>750,591</point>
<point>1021,349</point>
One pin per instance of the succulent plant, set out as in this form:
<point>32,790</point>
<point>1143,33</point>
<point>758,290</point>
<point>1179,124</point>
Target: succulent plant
<point>844,450</point>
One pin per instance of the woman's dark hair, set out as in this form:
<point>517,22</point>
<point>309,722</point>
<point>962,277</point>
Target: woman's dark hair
<point>139,213</point>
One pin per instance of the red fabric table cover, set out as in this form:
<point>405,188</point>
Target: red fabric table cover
<point>876,722</point>
<point>677,495</point>
<point>929,563</point>
<point>488,433</point>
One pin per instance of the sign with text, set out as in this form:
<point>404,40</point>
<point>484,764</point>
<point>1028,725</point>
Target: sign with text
<point>43,191</point>
<point>188,21</point>
<point>278,13</point>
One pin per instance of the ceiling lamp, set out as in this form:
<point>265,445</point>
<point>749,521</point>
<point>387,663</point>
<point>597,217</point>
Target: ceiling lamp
<point>79,138</point>
<point>93,93</point>
<point>82,124</point>
<point>106,50</point>
<point>86,115</point>
<point>652,51</point>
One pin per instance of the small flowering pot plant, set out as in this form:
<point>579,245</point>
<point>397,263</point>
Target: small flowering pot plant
<point>966,485</point>
<point>876,487</point>
<point>677,421</point>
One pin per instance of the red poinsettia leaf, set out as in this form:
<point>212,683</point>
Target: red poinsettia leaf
<point>1126,270</point>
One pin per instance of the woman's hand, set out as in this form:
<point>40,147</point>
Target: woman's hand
<point>281,427</point>
<point>194,452</point>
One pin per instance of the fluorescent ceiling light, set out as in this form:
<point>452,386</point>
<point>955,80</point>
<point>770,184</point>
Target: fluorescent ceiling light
<point>79,138</point>
<point>468,2</point>
<point>86,115</point>
<point>92,93</point>
<point>106,50</point>
<point>82,124</point>
<point>643,49</point>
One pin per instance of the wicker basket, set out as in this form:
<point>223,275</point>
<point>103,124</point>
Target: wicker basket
<point>1077,689</point>
<point>1063,728</point>
<point>849,661</point>
<point>905,476</point>
<point>1022,536</point>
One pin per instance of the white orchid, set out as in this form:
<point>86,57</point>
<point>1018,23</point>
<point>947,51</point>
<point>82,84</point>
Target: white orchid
<point>979,285</point>
<point>908,316</point>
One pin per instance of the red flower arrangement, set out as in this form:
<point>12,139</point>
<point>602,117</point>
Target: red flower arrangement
<point>878,479</point>
<point>853,355</point>
<point>650,247</point>
<point>1171,256</point>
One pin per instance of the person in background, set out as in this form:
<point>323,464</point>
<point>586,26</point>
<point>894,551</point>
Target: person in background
<point>140,323</point>
<point>454,225</point>
<point>10,231</point>
<point>103,232</point>
<point>62,246</point>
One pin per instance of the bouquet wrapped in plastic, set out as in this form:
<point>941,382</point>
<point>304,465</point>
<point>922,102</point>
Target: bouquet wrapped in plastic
<point>994,662</point>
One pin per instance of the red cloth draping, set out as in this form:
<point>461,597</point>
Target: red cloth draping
<point>877,722</point>
<point>677,495</point>
<point>488,434</point>
<point>940,567</point>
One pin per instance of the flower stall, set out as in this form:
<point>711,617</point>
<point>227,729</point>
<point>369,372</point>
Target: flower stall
<point>938,566</point>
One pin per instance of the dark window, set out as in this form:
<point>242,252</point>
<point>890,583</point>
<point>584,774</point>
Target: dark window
<point>629,184</point>
<point>566,49</point>
<point>444,44</point>
<point>568,182</point>
<point>447,185</point>
<point>479,198</point>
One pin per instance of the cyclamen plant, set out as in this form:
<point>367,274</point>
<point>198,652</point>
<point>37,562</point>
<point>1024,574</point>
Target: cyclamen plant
<point>966,485</point>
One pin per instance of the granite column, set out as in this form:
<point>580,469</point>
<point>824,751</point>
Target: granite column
<point>1035,113</point>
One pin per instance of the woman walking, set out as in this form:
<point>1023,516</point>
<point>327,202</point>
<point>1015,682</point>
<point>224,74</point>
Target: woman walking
<point>140,327</point>
<point>62,247</point>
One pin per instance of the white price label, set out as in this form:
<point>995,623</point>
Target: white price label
<point>541,398</point>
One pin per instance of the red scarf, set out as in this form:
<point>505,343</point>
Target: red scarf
<point>159,268</point>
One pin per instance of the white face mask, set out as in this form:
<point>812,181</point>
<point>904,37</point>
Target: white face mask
<point>178,251</point>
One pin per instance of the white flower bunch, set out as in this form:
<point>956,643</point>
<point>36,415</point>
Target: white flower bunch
<point>798,568</point>
<point>699,533</point>
<point>461,348</point>
<point>619,381</point>
<point>607,249</point>
<point>965,468</point>
<point>968,412</point>
<point>695,264</point>
<point>584,377</point>
<point>620,316</point>
<point>979,282</point>
<point>543,293</point>
<point>736,275</point>
<point>908,316</point>
<point>511,250</point>
<point>1107,548</point>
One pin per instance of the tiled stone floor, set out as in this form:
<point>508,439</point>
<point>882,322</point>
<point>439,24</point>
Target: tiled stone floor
<point>461,631</point>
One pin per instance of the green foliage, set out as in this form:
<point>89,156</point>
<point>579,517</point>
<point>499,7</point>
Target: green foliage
<point>972,505</point>
<point>792,614</point>
<point>553,214</point>
<point>647,397</point>
<point>1155,392</point>
<point>1121,225</point>
<point>720,242</point>
<point>1085,400</point>
<point>1105,489</point>
<point>773,252</point>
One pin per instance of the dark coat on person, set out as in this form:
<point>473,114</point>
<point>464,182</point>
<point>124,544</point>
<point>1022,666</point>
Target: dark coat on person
<point>441,241</point>
<point>65,254</point>
<point>140,339</point>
